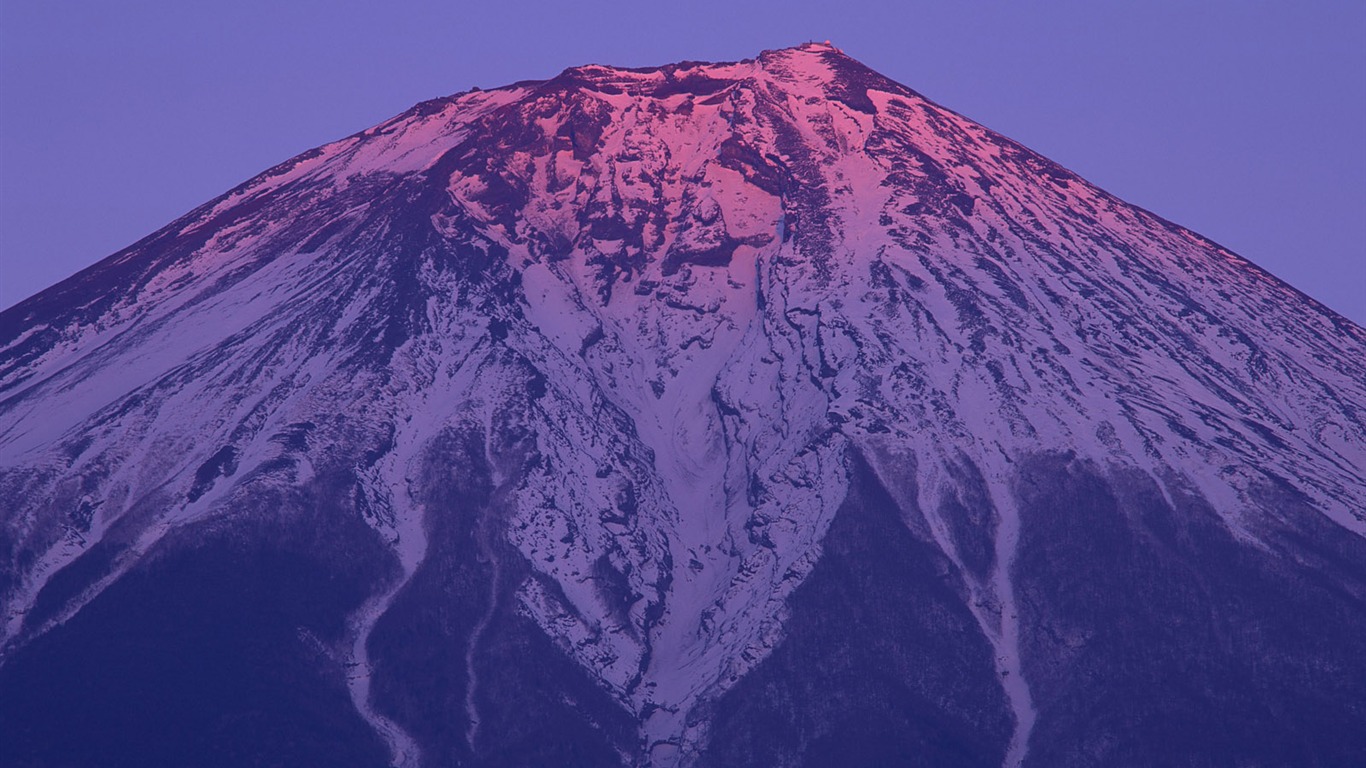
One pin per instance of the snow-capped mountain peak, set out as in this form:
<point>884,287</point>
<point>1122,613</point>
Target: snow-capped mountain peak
<point>610,353</point>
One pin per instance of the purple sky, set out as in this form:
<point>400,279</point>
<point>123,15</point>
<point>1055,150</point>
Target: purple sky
<point>1243,121</point>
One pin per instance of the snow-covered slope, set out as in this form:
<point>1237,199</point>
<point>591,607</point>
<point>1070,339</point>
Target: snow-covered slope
<point>632,334</point>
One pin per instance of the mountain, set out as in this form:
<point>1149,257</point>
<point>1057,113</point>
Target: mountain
<point>755,413</point>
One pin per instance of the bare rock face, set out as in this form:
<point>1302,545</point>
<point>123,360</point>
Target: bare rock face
<point>759,413</point>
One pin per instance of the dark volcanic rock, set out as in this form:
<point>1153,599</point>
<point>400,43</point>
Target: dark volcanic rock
<point>882,664</point>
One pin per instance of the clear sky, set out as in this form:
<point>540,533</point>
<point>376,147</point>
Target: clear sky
<point>1245,121</point>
